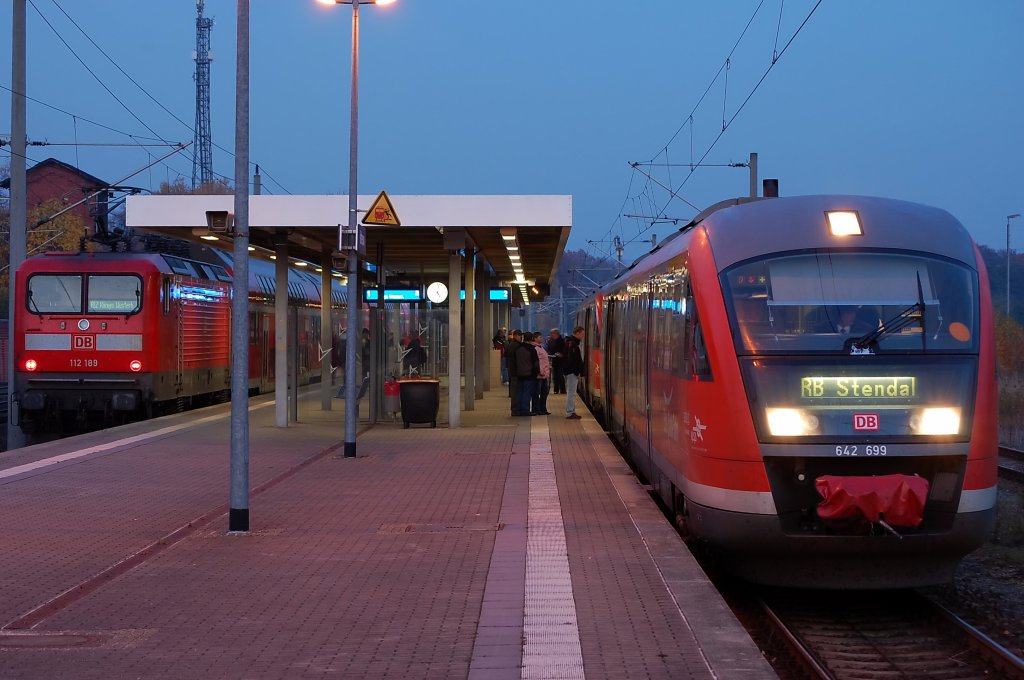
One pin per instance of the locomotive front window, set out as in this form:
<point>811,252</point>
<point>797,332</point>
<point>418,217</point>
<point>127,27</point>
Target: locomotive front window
<point>54,294</point>
<point>826,301</point>
<point>114,294</point>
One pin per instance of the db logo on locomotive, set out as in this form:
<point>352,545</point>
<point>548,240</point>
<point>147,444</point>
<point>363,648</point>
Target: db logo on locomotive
<point>83,342</point>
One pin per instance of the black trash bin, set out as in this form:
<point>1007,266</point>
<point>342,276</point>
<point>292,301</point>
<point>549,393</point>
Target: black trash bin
<point>420,399</point>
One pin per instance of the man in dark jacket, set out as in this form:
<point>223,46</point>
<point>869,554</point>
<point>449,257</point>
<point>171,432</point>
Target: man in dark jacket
<point>555,347</point>
<point>513,379</point>
<point>525,365</point>
<point>574,368</point>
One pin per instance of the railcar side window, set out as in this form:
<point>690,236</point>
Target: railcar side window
<point>820,301</point>
<point>114,294</point>
<point>54,294</point>
<point>700,362</point>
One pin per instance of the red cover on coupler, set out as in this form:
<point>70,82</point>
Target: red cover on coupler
<point>897,500</point>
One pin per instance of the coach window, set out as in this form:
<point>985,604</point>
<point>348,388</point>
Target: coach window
<point>113,294</point>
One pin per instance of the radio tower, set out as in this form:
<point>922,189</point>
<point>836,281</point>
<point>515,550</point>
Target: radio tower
<point>202,161</point>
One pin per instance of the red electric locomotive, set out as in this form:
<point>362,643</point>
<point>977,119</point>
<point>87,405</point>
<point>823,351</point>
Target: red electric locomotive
<point>107,333</point>
<point>809,383</point>
<point>108,336</point>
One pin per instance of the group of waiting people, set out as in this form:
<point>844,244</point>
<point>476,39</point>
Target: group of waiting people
<point>530,366</point>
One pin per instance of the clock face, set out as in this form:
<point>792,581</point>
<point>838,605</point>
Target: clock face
<point>437,292</point>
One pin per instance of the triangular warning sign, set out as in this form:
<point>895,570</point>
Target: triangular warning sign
<point>382,212</point>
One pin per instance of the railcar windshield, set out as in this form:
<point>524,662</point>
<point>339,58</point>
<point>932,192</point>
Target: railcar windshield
<point>832,301</point>
<point>103,294</point>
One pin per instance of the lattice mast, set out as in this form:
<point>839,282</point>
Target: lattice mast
<point>202,161</point>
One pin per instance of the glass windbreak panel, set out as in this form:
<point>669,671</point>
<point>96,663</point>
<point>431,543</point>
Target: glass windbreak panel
<point>826,301</point>
<point>114,294</point>
<point>850,398</point>
<point>54,294</point>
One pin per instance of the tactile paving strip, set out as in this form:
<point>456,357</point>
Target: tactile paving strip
<point>551,636</point>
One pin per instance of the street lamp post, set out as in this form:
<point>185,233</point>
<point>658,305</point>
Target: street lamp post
<point>351,286</point>
<point>1008,218</point>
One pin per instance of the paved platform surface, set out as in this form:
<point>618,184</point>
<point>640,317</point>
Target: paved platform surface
<point>508,548</point>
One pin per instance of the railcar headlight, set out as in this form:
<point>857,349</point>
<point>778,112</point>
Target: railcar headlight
<point>844,222</point>
<point>31,365</point>
<point>135,365</point>
<point>791,422</point>
<point>936,421</point>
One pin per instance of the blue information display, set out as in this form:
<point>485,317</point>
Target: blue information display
<point>416,295</point>
<point>495,295</point>
<point>393,295</point>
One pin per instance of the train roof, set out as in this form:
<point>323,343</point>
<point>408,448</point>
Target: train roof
<point>127,262</point>
<point>742,229</point>
<point>303,286</point>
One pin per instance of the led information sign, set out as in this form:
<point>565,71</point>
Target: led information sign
<point>393,295</point>
<point>416,295</point>
<point>494,295</point>
<point>860,387</point>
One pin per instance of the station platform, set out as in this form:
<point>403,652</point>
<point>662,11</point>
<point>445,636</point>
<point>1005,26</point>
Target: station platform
<point>512,547</point>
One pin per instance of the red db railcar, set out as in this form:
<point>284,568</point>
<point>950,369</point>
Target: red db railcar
<point>809,384</point>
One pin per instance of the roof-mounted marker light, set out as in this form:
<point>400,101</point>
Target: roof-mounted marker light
<point>844,223</point>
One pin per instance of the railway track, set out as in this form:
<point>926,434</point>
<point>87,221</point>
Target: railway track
<point>897,634</point>
<point>1011,464</point>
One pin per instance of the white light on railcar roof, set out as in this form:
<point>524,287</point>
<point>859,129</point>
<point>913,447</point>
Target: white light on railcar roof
<point>844,222</point>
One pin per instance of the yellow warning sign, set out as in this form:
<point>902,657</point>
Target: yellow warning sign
<point>382,212</point>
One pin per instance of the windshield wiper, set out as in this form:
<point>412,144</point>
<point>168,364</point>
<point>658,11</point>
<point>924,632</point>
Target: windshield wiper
<point>912,314</point>
<point>33,306</point>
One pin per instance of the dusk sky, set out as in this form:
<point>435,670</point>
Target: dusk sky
<point>919,100</point>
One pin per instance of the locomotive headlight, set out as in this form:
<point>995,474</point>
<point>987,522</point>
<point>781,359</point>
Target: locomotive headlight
<point>31,365</point>
<point>135,365</point>
<point>936,421</point>
<point>791,422</point>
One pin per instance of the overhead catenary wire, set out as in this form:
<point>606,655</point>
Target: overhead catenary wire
<point>690,117</point>
<point>673,193</point>
<point>673,189</point>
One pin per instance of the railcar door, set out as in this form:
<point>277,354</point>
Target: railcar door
<point>641,443</point>
<point>635,379</point>
<point>615,372</point>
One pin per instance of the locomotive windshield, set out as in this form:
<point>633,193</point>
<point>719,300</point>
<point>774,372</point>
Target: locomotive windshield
<point>103,294</point>
<point>833,300</point>
<point>117,294</point>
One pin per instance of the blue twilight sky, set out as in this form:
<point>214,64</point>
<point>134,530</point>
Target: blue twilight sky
<point>915,99</point>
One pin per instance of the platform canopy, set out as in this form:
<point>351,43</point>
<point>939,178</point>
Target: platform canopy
<point>311,223</point>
